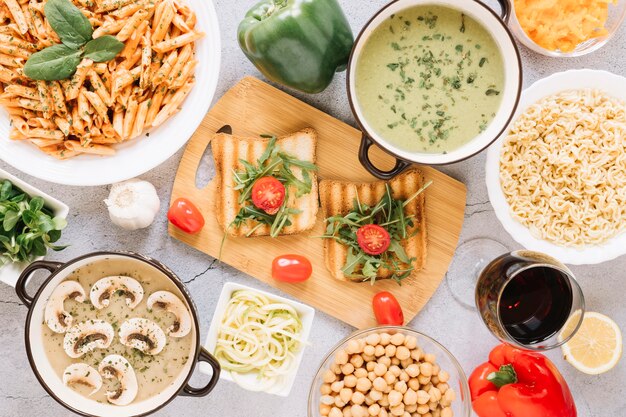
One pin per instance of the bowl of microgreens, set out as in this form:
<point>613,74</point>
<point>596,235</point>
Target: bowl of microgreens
<point>30,224</point>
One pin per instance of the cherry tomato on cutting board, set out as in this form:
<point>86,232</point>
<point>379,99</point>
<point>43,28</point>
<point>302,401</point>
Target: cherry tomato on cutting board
<point>373,239</point>
<point>387,309</point>
<point>185,215</point>
<point>268,194</point>
<point>291,268</point>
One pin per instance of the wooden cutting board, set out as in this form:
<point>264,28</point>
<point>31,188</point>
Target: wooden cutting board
<point>253,107</point>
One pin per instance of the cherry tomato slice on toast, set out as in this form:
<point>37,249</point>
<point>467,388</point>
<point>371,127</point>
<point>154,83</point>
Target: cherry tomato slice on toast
<point>373,239</point>
<point>268,194</point>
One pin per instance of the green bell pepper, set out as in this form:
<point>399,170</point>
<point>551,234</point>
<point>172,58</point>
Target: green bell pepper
<point>297,43</point>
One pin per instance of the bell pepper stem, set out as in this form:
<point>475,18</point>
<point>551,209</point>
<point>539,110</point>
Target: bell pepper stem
<point>506,375</point>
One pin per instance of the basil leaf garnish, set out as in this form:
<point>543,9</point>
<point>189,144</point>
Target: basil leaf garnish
<point>56,62</point>
<point>73,28</point>
<point>103,49</point>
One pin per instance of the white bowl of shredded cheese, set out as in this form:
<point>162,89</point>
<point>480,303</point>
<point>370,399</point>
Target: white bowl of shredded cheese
<point>592,237</point>
<point>267,335</point>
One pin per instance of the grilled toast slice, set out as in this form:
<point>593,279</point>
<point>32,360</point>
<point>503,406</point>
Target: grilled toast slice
<point>228,150</point>
<point>337,198</point>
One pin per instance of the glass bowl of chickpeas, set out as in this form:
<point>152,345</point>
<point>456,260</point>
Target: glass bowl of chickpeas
<point>389,372</point>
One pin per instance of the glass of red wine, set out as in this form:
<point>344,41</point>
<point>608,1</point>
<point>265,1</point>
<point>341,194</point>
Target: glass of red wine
<point>525,298</point>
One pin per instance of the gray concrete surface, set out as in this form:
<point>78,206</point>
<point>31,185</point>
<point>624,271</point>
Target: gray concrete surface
<point>443,318</point>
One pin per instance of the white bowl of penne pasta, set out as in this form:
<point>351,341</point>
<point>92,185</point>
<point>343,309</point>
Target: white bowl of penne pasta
<point>110,120</point>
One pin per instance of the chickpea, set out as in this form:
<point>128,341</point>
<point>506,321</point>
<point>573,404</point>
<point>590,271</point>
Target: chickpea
<point>436,369</point>
<point>429,357</point>
<point>373,339</point>
<point>347,412</point>
<point>413,370</point>
<point>379,351</point>
<point>363,384</point>
<point>447,412</point>
<point>368,400</point>
<point>353,346</point>
<point>369,350</point>
<point>404,376</point>
<point>427,387</point>
<point>406,362</point>
<point>411,408</point>
<point>403,353</point>
<point>383,413</point>
<point>436,412</point>
<point>433,405</point>
<point>357,361</point>
<point>434,380</point>
<point>398,410</point>
<point>329,376</point>
<point>426,415</point>
<point>358,398</point>
<point>385,361</point>
<point>423,379</point>
<point>376,395</point>
<point>379,384</point>
<point>395,398</point>
<point>335,412</point>
<point>385,339</point>
<point>426,369</point>
<point>410,397</point>
<point>360,373</point>
<point>387,389</point>
<point>384,402</point>
<point>349,381</point>
<point>395,361</point>
<point>423,409</point>
<point>368,358</point>
<point>390,351</point>
<point>324,409</point>
<point>336,368</point>
<point>414,384</point>
<point>422,397</point>
<point>347,369</point>
<point>443,387</point>
<point>397,339</point>
<point>444,376</point>
<point>390,378</point>
<point>417,354</point>
<point>400,386</point>
<point>336,386</point>
<point>327,399</point>
<point>410,342</point>
<point>371,376</point>
<point>406,413</point>
<point>370,366</point>
<point>339,403</point>
<point>394,369</point>
<point>341,357</point>
<point>374,409</point>
<point>345,394</point>
<point>380,369</point>
<point>435,394</point>
<point>448,397</point>
<point>325,389</point>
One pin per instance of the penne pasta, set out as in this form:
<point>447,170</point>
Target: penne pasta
<point>18,15</point>
<point>129,118</point>
<point>76,83</point>
<point>177,42</point>
<point>97,103</point>
<point>98,85</point>
<point>132,25</point>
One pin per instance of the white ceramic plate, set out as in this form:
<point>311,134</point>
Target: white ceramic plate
<point>143,153</point>
<point>614,85</point>
<point>11,272</point>
<point>306,313</point>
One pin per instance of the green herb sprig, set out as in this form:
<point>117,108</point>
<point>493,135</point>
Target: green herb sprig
<point>273,162</point>
<point>388,213</point>
<point>59,62</point>
<point>27,228</point>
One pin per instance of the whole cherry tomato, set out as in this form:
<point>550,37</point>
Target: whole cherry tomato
<point>291,268</point>
<point>268,194</point>
<point>387,309</point>
<point>373,239</point>
<point>185,215</point>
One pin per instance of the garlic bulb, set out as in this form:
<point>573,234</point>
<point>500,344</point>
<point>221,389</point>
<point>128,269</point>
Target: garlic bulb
<point>133,204</point>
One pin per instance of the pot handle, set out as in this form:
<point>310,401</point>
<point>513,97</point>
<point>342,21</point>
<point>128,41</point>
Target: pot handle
<point>506,8</point>
<point>204,356</point>
<point>20,285</point>
<point>364,158</point>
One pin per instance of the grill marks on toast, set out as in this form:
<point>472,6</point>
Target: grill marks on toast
<point>227,152</point>
<point>337,198</point>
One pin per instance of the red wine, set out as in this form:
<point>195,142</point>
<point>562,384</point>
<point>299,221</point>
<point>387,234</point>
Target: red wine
<point>535,304</point>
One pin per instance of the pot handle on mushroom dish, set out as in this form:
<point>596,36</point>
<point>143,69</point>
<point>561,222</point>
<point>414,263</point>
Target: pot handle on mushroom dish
<point>204,356</point>
<point>364,158</point>
<point>20,286</point>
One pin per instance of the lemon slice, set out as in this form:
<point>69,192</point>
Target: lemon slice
<point>596,347</point>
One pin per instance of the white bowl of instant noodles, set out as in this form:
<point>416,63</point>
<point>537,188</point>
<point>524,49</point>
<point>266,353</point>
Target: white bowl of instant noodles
<point>557,177</point>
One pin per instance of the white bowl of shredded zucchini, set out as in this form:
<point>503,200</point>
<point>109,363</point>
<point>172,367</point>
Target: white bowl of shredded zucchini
<point>259,338</point>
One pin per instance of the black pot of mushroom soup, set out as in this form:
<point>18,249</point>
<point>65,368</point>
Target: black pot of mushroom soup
<point>112,333</point>
<point>433,81</point>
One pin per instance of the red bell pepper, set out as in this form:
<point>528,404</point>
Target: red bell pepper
<point>519,383</point>
<point>185,215</point>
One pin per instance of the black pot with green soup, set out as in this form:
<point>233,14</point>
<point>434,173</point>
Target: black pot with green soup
<point>433,82</point>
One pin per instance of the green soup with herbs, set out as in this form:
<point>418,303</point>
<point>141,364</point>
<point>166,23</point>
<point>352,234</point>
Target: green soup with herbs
<point>429,79</point>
